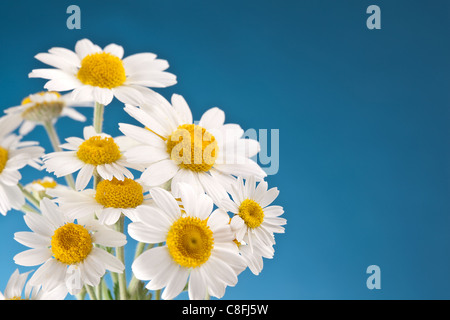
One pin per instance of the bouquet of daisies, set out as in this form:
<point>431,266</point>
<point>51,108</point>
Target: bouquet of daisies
<point>199,209</point>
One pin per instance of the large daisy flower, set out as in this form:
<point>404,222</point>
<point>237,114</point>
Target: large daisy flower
<point>18,281</point>
<point>96,152</point>
<point>14,155</point>
<point>108,201</point>
<point>205,155</point>
<point>67,249</point>
<point>99,75</point>
<point>46,106</point>
<point>255,221</point>
<point>199,248</point>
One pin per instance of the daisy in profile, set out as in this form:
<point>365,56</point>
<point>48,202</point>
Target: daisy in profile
<point>108,201</point>
<point>97,152</point>
<point>205,155</point>
<point>66,250</point>
<point>45,107</point>
<point>39,188</point>
<point>255,220</point>
<point>14,155</point>
<point>199,248</point>
<point>96,74</point>
<point>16,285</point>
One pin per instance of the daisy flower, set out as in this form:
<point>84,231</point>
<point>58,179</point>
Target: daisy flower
<point>108,201</point>
<point>43,107</point>
<point>66,249</point>
<point>14,155</point>
<point>255,220</point>
<point>98,152</point>
<point>99,75</point>
<point>16,284</point>
<point>39,188</point>
<point>206,155</point>
<point>199,248</point>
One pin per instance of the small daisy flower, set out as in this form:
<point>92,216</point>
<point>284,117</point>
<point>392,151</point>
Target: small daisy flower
<point>43,107</point>
<point>108,201</point>
<point>66,249</point>
<point>96,152</point>
<point>40,187</point>
<point>14,155</point>
<point>255,220</point>
<point>199,248</point>
<point>16,284</point>
<point>205,155</point>
<point>99,75</point>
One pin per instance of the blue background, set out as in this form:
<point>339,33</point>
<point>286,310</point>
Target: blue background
<point>363,118</point>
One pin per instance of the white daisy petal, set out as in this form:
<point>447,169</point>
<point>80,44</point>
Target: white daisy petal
<point>84,176</point>
<point>128,94</point>
<point>32,257</point>
<point>176,284</point>
<point>181,106</point>
<point>166,202</point>
<point>103,95</point>
<point>114,49</point>
<point>111,262</point>
<point>160,172</point>
<point>197,286</point>
<point>212,118</point>
<point>84,47</point>
<point>149,263</point>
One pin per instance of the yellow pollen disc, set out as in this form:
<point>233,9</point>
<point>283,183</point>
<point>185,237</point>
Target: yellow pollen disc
<point>46,184</point>
<point>119,194</point>
<point>251,212</point>
<point>190,242</point>
<point>193,148</point>
<point>16,298</point>
<point>102,70</point>
<point>3,158</point>
<point>71,243</point>
<point>97,150</point>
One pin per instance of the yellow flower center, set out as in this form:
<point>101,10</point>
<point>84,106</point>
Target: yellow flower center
<point>251,212</point>
<point>102,70</point>
<point>97,150</point>
<point>3,158</point>
<point>193,148</point>
<point>71,243</point>
<point>43,111</point>
<point>16,298</point>
<point>47,184</point>
<point>190,242</point>
<point>119,194</point>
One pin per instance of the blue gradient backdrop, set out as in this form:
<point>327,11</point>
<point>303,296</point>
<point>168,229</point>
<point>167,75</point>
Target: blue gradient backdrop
<point>363,118</point>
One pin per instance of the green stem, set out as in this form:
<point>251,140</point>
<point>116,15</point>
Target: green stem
<point>82,294</point>
<point>98,117</point>
<point>29,196</point>
<point>53,136</point>
<point>27,208</point>
<point>120,253</point>
<point>134,282</point>
<point>91,292</point>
